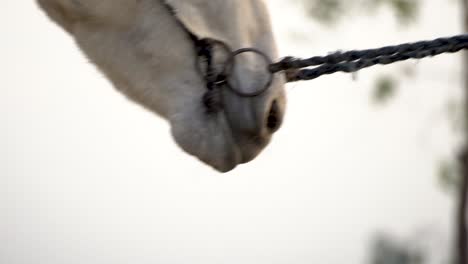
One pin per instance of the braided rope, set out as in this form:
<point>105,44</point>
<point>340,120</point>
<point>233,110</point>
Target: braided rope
<point>355,60</point>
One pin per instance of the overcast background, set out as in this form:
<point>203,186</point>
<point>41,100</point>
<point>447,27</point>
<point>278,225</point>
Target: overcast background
<point>88,177</point>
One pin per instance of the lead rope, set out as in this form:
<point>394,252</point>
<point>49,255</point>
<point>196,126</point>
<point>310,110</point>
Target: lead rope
<point>355,60</point>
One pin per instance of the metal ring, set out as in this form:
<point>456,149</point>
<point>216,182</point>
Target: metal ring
<point>229,67</point>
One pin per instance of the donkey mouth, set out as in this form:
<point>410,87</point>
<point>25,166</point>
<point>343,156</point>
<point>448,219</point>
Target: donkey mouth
<point>233,136</point>
<point>239,152</point>
<point>252,123</point>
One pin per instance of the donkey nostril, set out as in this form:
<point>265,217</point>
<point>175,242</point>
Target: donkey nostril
<point>273,119</point>
<point>272,122</point>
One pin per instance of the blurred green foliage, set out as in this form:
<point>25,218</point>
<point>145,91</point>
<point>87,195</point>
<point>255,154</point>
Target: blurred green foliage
<point>385,89</point>
<point>405,10</point>
<point>331,11</point>
<point>449,175</point>
<point>387,250</point>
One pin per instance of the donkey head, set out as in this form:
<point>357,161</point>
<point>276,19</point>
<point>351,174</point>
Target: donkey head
<point>146,52</point>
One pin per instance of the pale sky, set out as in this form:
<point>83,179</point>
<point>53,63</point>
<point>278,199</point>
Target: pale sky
<point>88,177</point>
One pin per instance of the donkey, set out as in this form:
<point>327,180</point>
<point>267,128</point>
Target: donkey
<point>150,51</point>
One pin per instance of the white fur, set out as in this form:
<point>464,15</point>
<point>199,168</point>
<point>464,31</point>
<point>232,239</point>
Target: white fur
<point>142,50</point>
